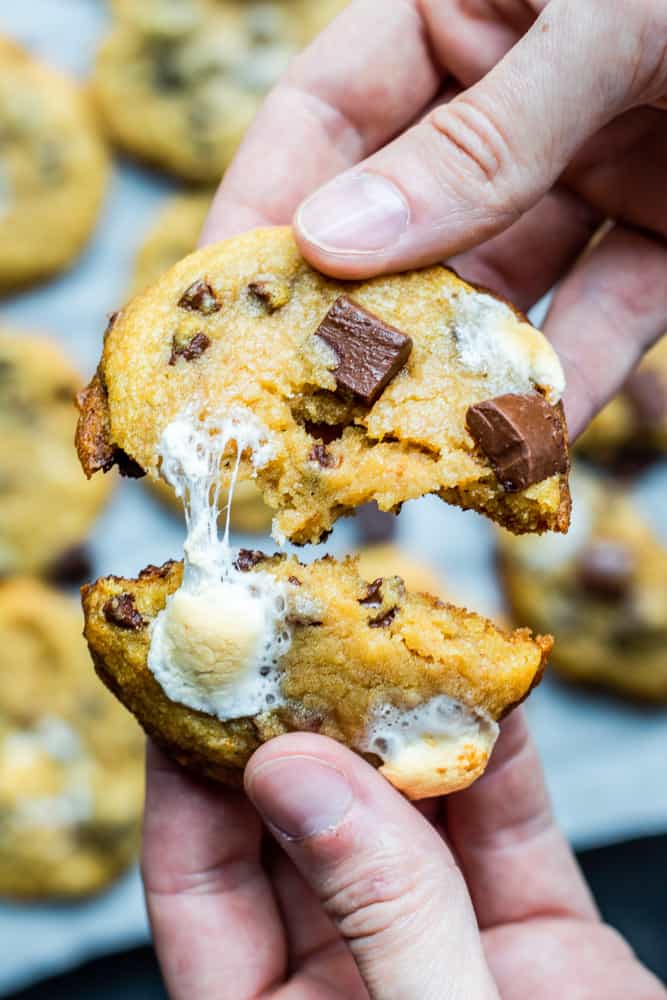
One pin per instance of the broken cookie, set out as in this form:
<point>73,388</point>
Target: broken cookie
<point>400,371</point>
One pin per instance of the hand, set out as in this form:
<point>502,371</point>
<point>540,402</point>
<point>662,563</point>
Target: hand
<point>355,893</point>
<point>559,128</point>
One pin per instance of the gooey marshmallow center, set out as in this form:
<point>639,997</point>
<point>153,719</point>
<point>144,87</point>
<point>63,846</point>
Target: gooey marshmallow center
<point>217,644</point>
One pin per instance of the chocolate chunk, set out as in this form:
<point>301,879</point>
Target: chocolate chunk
<point>273,292</point>
<point>247,559</point>
<point>375,526</point>
<point>373,593</point>
<point>127,466</point>
<point>383,620</point>
<point>200,297</point>
<point>647,395</point>
<point>320,453</point>
<point>606,569</point>
<point>294,580</point>
<point>194,348</point>
<point>523,438</point>
<point>326,433</point>
<point>71,566</point>
<point>369,351</point>
<point>121,611</point>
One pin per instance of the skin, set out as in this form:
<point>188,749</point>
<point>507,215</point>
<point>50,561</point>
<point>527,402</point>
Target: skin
<point>509,130</point>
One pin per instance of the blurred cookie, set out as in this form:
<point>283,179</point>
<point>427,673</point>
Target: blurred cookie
<point>173,236</point>
<point>53,168</point>
<point>71,759</point>
<point>46,505</point>
<point>249,514</point>
<point>603,590</point>
<point>632,429</point>
<point>376,561</point>
<point>178,84</point>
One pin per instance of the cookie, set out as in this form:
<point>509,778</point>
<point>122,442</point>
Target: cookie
<point>374,561</point>
<point>46,505</point>
<point>415,685</point>
<point>602,590</point>
<point>53,168</point>
<point>71,758</point>
<point>381,390</point>
<point>172,237</point>
<point>178,84</point>
<point>632,429</point>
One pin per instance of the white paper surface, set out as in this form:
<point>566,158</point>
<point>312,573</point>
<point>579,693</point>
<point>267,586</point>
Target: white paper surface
<point>604,759</point>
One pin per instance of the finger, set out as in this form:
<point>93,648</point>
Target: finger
<point>317,952</point>
<point>361,82</point>
<point>515,860</point>
<point>525,261</point>
<point>381,871</point>
<point>604,316</point>
<point>476,164</point>
<point>215,923</point>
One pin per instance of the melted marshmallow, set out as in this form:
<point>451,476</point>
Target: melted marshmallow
<point>395,734</point>
<point>513,355</point>
<point>216,646</point>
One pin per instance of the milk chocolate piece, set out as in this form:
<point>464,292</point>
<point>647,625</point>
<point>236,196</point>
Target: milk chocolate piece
<point>200,297</point>
<point>247,559</point>
<point>606,569</point>
<point>522,436</point>
<point>122,612</point>
<point>369,351</point>
<point>191,350</point>
<point>647,396</point>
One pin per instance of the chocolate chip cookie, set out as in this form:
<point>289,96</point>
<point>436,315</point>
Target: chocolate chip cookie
<point>380,390</point>
<point>46,505</point>
<point>178,84</point>
<point>53,168</point>
<point>71,758</point>
<point>632,429</point>
<point>413,684</point>
<point>602,590</point>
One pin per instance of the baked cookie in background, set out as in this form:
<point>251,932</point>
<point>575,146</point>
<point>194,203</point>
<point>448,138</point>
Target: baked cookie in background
<point>178,85</point>
<point>415,685</point>
<point>71,758</point>
<point>53,168</point>
<point>46,505</point>
<point>390,559</point>
<point>173,236</point>
<point>602,589</point>
<point>382,390</point>
<point>632,429</point>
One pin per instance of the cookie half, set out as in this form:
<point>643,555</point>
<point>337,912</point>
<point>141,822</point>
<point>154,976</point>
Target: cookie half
<point>381,390</point>
<point>602,590</point>
<point>71,758</point>
<point>53,168</point>
<point>46,504</point>
<point>415,685</point>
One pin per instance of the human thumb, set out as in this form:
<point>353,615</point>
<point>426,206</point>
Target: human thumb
<point>382,872</point>
<point>472,166</point>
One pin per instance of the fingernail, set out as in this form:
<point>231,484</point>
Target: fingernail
<point>300,796</point>
<point>356,213</point>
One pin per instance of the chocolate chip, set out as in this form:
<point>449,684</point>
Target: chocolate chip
<point>320,453</point>
<point>375,525</point>
<point>522,436</point>
<point>606,569</point>
<point>273,292</point>
<point>71,567</point>
<point>194,348</point>
<point>200,297</point>
<point>383,620</point>
<point>302,621</point>
<point>373,593</point>
<point>127,466</point>
<point>326,433</point>
<point>294,580</point>
<point>647,395</point>
<point>369,351</point>
<point>121,611</point>
<point>247,559</point>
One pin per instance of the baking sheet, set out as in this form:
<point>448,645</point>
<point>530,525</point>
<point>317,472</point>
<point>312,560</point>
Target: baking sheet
<point>604,758</point>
